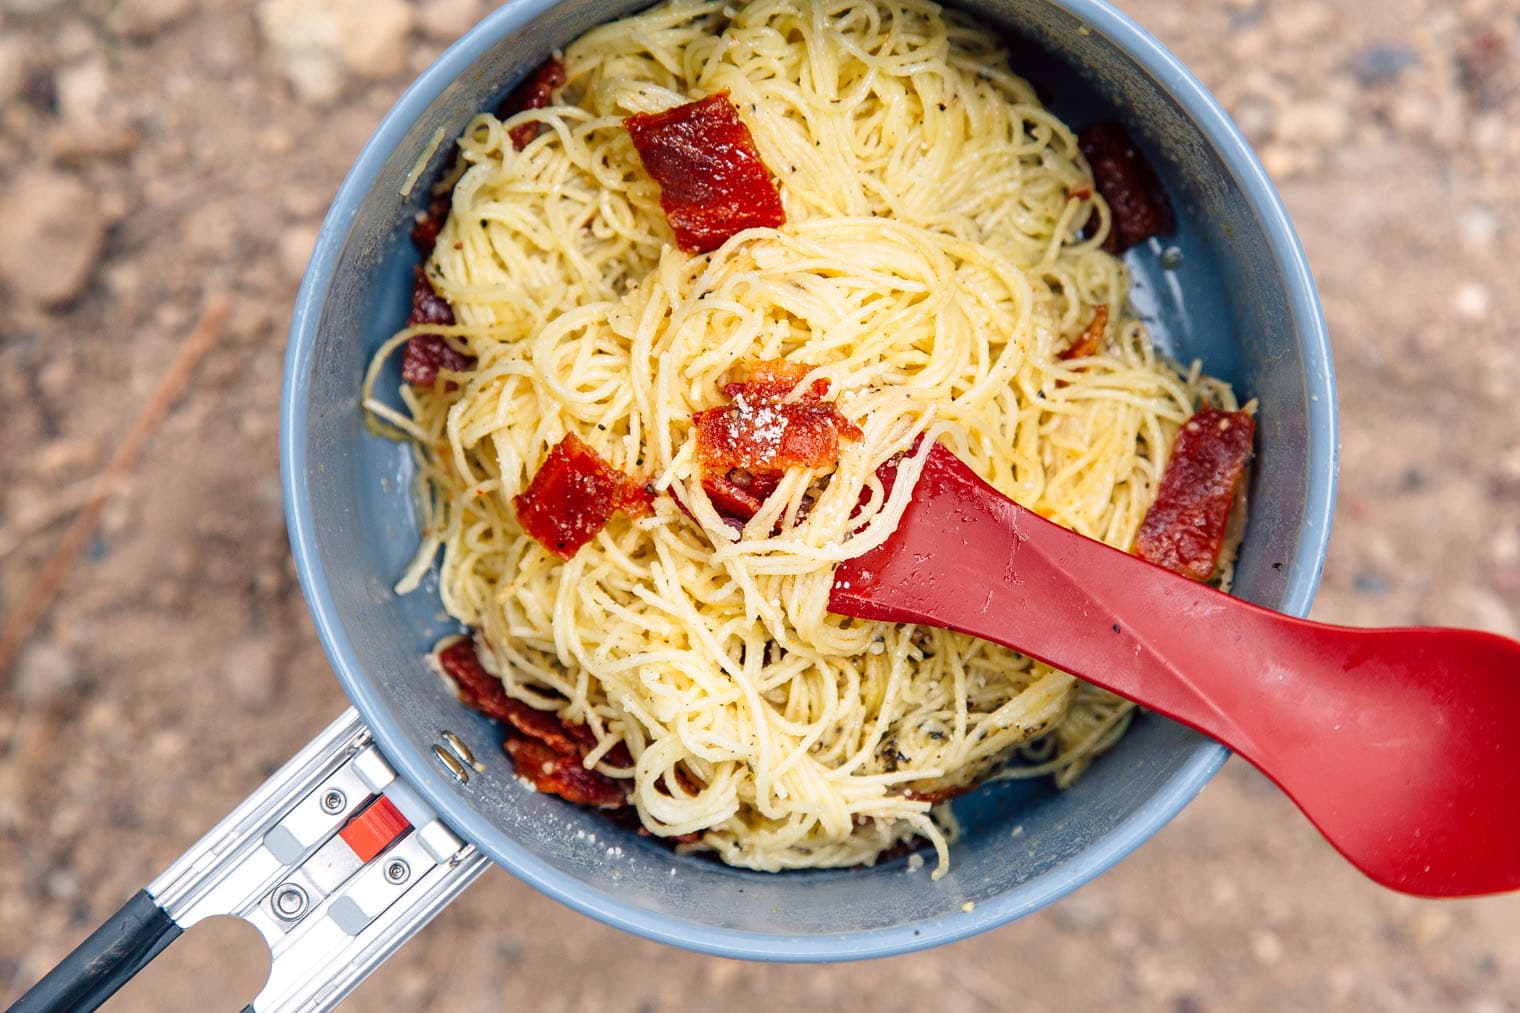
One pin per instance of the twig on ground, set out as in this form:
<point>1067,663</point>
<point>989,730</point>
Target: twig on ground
<point>55,571</point>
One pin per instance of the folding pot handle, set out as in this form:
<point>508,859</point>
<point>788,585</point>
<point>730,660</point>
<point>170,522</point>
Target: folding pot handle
<point>334,860</point>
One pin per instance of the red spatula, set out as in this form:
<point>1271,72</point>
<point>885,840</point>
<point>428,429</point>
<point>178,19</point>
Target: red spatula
<point>1401,745</point>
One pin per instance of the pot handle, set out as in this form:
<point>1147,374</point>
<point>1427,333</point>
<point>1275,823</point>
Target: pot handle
<point>334,860</point>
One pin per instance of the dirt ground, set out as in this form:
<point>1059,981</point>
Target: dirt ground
<point>159,155</point>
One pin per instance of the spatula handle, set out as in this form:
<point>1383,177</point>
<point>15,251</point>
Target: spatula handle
<point>1314,706</point>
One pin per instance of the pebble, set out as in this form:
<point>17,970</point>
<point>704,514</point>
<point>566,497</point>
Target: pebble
<point>250,673</point>
<point>295,247</point>
<point>143,19</point>
<point>1383,62</point>
<point>13,60</point>
<point>75,41</point>
<point>52,233</point>
<point>82,91</point>
<point>1266,946</point>
<point>61,884</point>
<point>44,673</point>
<point>318,43</point>
<point>1080,913</point>
<point>1315,122</point>
<point>446,20</point>
<point>1478,226</point>
<point>1472,301</point>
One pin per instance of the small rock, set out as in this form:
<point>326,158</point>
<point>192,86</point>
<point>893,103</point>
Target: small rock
<point>13,60</point>
<point>374,36</point>
<point>1383,62</point>
<point>1371,583</point>
<point>295,248</point>
<point>82,90</point>
<point>143,19</point>
<point>1482,62</point>
<point>1315,122</point>
<point>316,41</point>
<point>51,236</point>
<point>45,672</point>
<point>75,41</point>
<point>1431,924</point>
<point>250,674</point>
<point>449,19</point>
<point>1472,301</point>
<point>61,884</point>
<point>40,89</point>
<point>1080,913</point>
<point>1478,226</point>
<point>111,139</point>
<point>1266,946</point>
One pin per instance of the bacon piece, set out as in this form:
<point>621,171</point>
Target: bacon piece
<point>428,224</point>
<point>426,354</point>
<point>564,776</point>
<point>428,307</point>
<point>764,435</point>
<point>481,691</point>
<point>478,689</point>
<point>774,379</point>
<point>574,495</point>
<point>1090,341</point>
<point>939,795</point>
<point>1184,529</point>
<point>730,498</point>
<point>712,181</point>
<point>768,437</point>
<point>1129,185</point>
<point>533,93</point>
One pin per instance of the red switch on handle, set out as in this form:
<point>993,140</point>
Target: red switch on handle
<point>374,829</point>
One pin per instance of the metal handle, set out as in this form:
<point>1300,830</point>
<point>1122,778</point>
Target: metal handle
<point>334,860</point>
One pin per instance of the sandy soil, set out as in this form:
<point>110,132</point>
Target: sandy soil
<point>155,154</point>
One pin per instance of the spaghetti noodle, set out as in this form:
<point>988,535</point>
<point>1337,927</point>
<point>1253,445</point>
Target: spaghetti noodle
<point>932,269</point>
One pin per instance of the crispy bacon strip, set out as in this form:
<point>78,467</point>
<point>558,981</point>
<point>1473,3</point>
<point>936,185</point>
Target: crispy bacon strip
<point>773,380</point>
<point>764,435</point>
<point>1129,185</point>
<point>939,795</point>
<point>534,92</point>
<point>1090,341</point>
<point>712,181</point>
<point>481,691</point>
<point>564,776</point>
<point>536,737</point>
<point>574,495</point>
<point>1184,529</point>
<point>426,354</point>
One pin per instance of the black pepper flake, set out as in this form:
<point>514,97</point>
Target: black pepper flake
<point>1116,627</point>
<point>942,107</point>
<point>1277,566</point>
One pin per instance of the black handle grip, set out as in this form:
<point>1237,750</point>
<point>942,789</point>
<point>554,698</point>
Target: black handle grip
<point>107,960</point>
